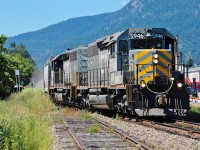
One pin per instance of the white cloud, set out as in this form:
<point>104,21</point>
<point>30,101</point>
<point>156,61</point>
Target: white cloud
<point>124,2</point>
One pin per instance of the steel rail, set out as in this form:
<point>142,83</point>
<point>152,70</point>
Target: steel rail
<point>144,146</point>
<point>190,131</point>
<point>76,139</point>
<point>187,122</point>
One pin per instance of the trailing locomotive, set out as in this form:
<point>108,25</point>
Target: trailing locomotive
<point>136,71</point>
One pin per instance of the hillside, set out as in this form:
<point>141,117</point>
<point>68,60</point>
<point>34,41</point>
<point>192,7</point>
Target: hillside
<point>178,16</point>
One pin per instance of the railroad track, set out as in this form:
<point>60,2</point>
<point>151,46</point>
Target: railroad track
<point>179,127</point>
<point>106,137</point>
<point>64,138</point>
<point>188,124</point>
<point>187,129</point>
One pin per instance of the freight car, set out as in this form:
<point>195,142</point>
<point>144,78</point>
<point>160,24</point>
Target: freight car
<point>135,71</point>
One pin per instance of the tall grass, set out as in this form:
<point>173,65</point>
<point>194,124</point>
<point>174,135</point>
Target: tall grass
<point>194,113</point>
<point>25,121</point>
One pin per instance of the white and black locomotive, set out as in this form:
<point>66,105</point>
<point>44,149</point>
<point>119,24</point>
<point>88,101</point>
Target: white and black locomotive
<point>136,71</point>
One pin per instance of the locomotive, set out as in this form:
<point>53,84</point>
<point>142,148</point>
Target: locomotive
<point>136,71</point>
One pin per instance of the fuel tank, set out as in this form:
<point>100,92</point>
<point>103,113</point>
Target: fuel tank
<point>101,102</point>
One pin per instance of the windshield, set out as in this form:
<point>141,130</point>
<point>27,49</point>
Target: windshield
<point>146,44</point>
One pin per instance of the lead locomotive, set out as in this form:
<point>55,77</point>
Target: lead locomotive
<point>136,71</point>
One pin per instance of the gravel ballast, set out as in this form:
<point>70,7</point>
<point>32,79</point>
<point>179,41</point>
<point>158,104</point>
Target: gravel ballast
<point>154,138</point>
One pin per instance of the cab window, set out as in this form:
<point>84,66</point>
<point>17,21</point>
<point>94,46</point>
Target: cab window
<point>154,44</point>
<point>138,44</point>
<point>123,46</point>
<point>146,44</point>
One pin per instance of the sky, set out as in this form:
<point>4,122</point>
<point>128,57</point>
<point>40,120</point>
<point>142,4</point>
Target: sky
<point>21,16</point>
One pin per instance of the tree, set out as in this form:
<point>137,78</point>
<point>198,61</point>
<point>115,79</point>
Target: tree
<point>21,49</point>
<point>20,63</point>
<point>189,62</point>
<point>4,85</point>
<point>14,58</point>
<point>12,45</point>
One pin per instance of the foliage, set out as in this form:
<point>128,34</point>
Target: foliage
<point>21,50</point>
<point>189,62</point>
<point>70,112</point>
<point>110,130</point>
<point>25,122</point>
<point>84,115</point>
<point>4,76</point>
<point>117,117</point>
<point>14,58</point>
<point>93,129</point>
<point>194,113</point>
<point>22,64</point>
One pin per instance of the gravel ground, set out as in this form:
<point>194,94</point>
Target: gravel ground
<point>156,139</point>
<point>63,139</point>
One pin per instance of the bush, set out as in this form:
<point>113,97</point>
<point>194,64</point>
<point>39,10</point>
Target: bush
<point>25,121</point>
<point>194,113</point>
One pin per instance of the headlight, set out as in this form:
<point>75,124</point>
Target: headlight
<point>155,56</point>
<point>179,85</point>
<point>142,84</point>
<point>155,61</point>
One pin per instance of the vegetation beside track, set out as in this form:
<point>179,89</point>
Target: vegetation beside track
<point>194,113</point>
<point>25,121</point>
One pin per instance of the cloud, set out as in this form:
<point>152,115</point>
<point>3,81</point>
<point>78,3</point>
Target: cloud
<point>124,2</point>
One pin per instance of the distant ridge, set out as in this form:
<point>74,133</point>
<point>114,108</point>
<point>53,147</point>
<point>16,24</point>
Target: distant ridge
<point>178,16</point>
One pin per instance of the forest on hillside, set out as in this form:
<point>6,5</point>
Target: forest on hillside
<point>179,17</point>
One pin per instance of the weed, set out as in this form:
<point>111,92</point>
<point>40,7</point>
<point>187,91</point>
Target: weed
<point>93,129</point>
<point>194,113</point>
<point>110,130</point>
<point>85,116</point>
<point>183,125</point>
<point>138,146</point>
<point>117,117</point>
<point>58,120</point>
<point>70,112</point>
<point>25,120</point>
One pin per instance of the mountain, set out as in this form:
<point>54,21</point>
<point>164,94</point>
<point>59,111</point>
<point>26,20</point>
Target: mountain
<point>180,17</point>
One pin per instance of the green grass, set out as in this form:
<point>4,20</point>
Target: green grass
<point>84,115</point>
<point>25,121</point>
<point>183,125</point>
<point>93,129</point>
<point>117,117</point>
<point>194,113</point>
<point>110,130</point>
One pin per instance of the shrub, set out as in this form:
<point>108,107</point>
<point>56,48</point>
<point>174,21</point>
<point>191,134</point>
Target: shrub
<point>194,113</point>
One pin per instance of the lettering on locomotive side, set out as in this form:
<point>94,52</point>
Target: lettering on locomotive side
<point>136,36</point>
<point>157,35</point>
<point>142,36</point>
